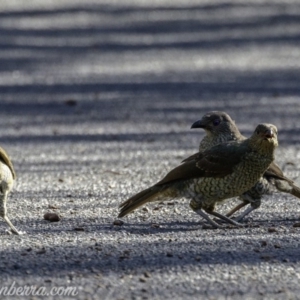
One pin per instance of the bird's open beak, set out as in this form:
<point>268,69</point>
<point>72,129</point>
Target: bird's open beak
<point>269,134</point>
<point>199,124</point>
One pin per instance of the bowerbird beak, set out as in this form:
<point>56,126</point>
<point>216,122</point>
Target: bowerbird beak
<point>269,133</point>
<point>199,124</point>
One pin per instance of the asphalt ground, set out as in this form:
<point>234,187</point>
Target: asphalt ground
<point>96,103</point>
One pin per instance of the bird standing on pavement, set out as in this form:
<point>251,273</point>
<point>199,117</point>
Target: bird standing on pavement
<point>7,177</point>
<point>209,177</point>
<point>220,128</point>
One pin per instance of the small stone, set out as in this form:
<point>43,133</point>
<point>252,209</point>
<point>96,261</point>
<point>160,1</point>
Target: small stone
<point>70,102</point>
<point>142,279</point>
<point>177,211</point>
<point>296,224</point>
<point>42,251</point>
<point>118,222</point>
<point>206,226</point>
<point>125,255</point>
<point>263,243</point>
<point>147,274</point>
<point>266,257</point>
<point>52,217</point>
<point>169,254</point>
<point>272,229</point>
<point>197,258</point>
<point>78,228</point>
<point>277,246</point>
<point>16,266</point>
<point>52,206</point>
<point>155,225</point>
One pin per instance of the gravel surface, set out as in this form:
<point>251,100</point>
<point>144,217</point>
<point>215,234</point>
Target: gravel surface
<point>96,103</point>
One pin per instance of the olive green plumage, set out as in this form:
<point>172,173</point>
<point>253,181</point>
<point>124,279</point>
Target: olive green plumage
<point>209,177</point>
<point>7,177</point>
<point>220,128</point>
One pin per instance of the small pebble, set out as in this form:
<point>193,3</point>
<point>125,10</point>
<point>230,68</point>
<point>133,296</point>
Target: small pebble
<point>266,257</point>
<point>206,226</point>
<point>70,102</point>
<point>79,229</point>
<point>42,251</point>
<point>118,222</point>
<point>263,243</point>
<point>52,206</point>
<point>155,225</point>
<point>52,217</point>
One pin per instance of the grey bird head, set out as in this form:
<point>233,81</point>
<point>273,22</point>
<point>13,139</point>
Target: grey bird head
<point>265,135</point>
<point>217,122</point>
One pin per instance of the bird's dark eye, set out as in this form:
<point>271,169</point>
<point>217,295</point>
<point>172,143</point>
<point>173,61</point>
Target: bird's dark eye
<point>216,122</point>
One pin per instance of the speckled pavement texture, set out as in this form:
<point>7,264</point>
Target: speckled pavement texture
<point>96,103</point>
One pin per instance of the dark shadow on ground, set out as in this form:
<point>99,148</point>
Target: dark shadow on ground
<point>105,256</point>
<point>141,96</point>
